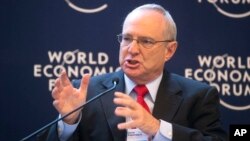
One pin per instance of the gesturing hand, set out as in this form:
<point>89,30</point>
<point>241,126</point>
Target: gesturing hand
<point>141,118</point>
<point>68,98</point>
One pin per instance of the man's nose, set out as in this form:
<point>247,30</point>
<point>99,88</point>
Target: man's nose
<point>134,46</point>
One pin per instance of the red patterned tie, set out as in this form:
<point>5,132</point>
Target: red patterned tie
<point>141,91</point>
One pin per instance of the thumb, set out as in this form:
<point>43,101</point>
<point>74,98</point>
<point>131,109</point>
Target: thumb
<point>84,83</point>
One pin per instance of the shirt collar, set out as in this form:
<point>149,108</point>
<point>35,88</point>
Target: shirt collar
<point>152,86</point>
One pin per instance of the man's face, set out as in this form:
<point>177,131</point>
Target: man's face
<point>140,64</point>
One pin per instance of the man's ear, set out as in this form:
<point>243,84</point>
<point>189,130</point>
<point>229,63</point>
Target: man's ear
<point>170,51</point>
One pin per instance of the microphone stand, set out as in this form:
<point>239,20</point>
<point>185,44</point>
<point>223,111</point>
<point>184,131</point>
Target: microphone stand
<point>115,82</point>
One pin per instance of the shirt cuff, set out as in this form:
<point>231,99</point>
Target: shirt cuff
<point>165,132</point>
<point>66,130</point>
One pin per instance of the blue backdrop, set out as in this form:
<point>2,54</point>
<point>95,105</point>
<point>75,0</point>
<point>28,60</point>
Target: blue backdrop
<point>38,36</point>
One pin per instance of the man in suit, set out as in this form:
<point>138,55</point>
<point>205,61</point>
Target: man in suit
<point>173,108</point>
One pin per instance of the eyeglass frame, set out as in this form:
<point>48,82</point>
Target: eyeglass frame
<point>151,42</point>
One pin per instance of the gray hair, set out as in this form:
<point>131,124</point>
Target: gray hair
<point>171,32</point>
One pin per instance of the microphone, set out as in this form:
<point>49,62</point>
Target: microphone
<point>115,81</point>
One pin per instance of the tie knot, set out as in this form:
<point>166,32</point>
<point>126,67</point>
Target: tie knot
<point>141,90</point>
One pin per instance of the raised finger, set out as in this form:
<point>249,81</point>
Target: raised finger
<point>124,100</point>
<point>64,79</point>
<point>127,125</point>
<point>121,95</point>
<point>55,93</point>
<point>58,84</point>
<point>124,112</point>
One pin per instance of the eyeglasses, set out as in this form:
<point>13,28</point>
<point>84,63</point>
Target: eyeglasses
<point>145,42</point>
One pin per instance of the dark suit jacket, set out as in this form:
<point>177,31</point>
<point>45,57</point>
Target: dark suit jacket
<point>191,107</point>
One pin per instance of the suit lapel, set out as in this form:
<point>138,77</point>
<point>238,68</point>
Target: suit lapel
<point>109,106</point>
<point>167,100</point>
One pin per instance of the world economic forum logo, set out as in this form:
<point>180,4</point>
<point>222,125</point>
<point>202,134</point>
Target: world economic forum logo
<point>76,63</point>
<point>229,74</point>
<point>231,8</point>
<point>86,10</point>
